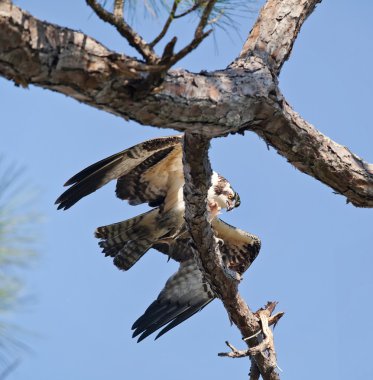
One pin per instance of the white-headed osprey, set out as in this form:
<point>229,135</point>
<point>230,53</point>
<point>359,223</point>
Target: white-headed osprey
<point>152,172</point>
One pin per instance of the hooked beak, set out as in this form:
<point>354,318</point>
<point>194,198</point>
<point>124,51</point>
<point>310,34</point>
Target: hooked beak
<point>236,201</point>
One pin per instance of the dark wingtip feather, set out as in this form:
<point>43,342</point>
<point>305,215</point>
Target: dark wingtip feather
<point>135,333</point>
<point>142,337</point>
<point>182,317</point>
<point>61,204</point>
<point>64,205</point>
<point>69,182</point>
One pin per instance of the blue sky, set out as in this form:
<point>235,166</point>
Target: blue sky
<point>316,256</point>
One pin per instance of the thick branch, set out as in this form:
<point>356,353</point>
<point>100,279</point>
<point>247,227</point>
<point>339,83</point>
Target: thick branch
<point>67,61</point>
<point>275,31</point>
<point>197,172</point>
<point>315,154</point>
<point>63,60</point>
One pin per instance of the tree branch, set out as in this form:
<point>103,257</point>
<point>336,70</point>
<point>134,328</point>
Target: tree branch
<point>167,24</point>
<point>275,31</point>
<point>133,38</point>
<point>63,60</point>
<point>118,9</point>
<point>199,34</point>
<point>196,5</point>
<point>318,156</point>
<point>197,173</point>
<point>69,62</point>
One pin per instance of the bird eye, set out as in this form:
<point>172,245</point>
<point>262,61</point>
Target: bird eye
<point>230,196</point>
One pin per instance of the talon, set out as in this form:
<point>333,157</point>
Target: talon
<point>218,241</point>
<point>232,274</point>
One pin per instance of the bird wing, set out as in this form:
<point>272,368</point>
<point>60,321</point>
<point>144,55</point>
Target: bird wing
<point>239,248</point>
<point>146,172</point>
<point>185,293</point>
<point>177,248</point>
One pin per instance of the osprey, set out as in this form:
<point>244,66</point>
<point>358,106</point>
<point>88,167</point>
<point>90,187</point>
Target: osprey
<point>152,172</point>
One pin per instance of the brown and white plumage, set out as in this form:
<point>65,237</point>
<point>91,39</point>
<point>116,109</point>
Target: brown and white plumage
<point>186,292</point>
<point>146,173</point>
<point>152,172</point>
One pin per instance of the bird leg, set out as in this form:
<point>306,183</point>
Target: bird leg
<point>213,209</point>
<point>230,273</point>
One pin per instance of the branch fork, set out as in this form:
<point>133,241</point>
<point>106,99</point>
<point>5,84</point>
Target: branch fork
<point>168,58</point>
<point>266,345</point>
<point>200,105</point>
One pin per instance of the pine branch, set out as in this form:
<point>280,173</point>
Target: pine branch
<point>116,19</point>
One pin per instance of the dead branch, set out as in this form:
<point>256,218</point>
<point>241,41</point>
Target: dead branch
<point>266,345</point>
<point>197,173</point>
<point>202,106</point>
<point>235,352</point>
<point>78,66</point>
<point>272,320</point>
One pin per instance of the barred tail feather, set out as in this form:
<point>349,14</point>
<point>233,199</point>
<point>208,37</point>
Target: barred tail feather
<point>131,253</point>
<point>129,240</point>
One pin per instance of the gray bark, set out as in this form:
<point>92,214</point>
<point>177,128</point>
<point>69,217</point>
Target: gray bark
<point>197,183</point>
<point>243,97</point>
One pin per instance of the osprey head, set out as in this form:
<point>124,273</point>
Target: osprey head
<point>222,193</point>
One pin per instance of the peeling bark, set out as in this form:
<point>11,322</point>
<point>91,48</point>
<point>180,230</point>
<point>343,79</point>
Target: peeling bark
<point>245,96</point>
<point>197,172</point>
<point>275,31</point>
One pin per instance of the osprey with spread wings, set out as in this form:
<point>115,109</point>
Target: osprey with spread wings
<point>152,172</point>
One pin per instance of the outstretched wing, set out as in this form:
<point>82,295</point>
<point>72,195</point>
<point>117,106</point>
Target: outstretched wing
<point>146,173</point>
<point>184,294</point>
<point>239,248</point>
<point>187,292</point>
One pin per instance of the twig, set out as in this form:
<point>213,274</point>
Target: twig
<point>166,25</point>
<point>133,38</point>
<point>118,9</point>
<point>267,344</point>
<point>196,5</point>
<point>199,35</point>
<point>187,49</point>
<point>147,49</point>
<point>204,18</point>
<point>273,319</point>
<point>235,353</point>
<point>253,336</point>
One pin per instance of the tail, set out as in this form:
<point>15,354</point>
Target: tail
<point>129,240</point>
